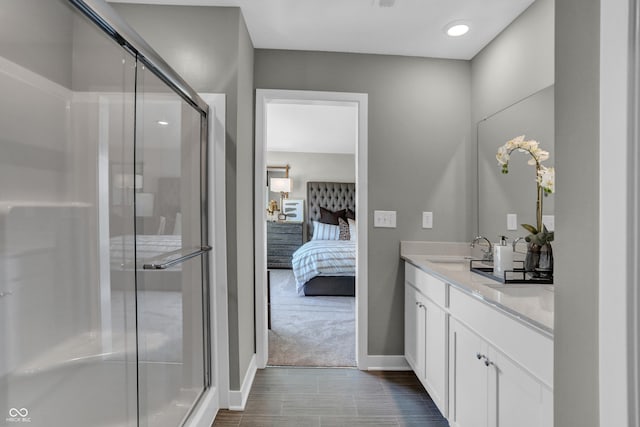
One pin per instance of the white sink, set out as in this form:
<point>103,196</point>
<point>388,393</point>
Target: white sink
<point>451,263</point>
<point>448,259</point>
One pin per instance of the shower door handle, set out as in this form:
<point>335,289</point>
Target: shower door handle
<point>165,265</point>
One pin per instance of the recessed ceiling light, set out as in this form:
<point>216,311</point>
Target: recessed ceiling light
<point>162,123</point>
<point>456,29</point>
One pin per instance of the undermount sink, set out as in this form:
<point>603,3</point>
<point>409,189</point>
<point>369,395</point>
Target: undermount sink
<point>451,263</point>
<point>448,259</point>
<point>519,290</point>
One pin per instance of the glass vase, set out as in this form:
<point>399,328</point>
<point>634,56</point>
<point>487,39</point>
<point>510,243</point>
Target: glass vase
<point>538,262</point>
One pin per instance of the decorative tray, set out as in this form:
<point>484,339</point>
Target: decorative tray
<point>517,275</point>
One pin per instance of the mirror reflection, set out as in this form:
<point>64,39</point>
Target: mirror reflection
<point>514,193</point>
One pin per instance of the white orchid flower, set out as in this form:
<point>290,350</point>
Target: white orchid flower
<point>514,143</point>
<point>546,179</point>
<point>503,155</point>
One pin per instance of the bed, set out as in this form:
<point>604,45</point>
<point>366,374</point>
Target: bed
<point>150,249</point>
<point>326,267</point>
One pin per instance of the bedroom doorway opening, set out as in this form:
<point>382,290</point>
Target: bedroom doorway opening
<point>326,327</point>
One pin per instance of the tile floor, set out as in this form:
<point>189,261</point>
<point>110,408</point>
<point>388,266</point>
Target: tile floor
<point>318,397</point>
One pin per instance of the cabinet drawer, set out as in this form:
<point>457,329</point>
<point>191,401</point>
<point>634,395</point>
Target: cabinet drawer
<point>530,348</point>
<point>429,286</point>
<point>283,239</point>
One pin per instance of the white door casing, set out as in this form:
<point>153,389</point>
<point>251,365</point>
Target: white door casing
<point>263,97</point>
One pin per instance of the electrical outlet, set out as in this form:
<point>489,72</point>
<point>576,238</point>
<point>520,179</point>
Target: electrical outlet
<point>427,219</point>
<point>512,221</point>
<point>549,221</point>
<point>384,219</point>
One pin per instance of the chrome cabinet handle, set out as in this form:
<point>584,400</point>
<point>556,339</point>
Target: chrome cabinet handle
<point>165,265</point>
<point>487,362</point>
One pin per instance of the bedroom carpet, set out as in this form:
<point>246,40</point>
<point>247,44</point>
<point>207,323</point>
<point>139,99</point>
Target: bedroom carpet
<point>309,331</point>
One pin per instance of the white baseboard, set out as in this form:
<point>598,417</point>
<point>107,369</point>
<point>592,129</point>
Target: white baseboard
<point>238,399</point>
<point>387,363</point>
<point>206,411</point>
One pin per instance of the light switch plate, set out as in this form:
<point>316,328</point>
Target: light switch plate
<point>384,219</point>
<point>549,221</point>
<point>427,219</point>
<point>512,221</point>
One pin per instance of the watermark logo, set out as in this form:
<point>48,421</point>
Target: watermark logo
<point>18,415</point>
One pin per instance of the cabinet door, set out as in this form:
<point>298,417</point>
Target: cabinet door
<point>468,374</point>
<point>519,398</point>
<point>414,333</point>
<point>435,368</point>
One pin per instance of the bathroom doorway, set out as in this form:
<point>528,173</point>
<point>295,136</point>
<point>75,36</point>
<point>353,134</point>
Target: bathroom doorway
<point>359,101</point>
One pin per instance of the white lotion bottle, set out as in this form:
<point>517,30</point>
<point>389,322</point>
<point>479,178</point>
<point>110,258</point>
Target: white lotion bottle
<point>502,258</point>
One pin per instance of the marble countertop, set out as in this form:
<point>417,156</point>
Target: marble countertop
<point>529,304</point>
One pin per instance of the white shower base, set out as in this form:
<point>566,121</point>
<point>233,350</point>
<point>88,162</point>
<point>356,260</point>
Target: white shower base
<point>97,394</point>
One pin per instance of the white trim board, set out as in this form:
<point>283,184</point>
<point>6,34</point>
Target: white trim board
<point>263,97</point>
<point>206,411</point>
<point>388,363</point>
<point>217,239</point>
<point>618,308</point>
<point>238,399</point>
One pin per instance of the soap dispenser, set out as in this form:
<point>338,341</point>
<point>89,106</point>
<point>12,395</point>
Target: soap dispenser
<point>502,258</point>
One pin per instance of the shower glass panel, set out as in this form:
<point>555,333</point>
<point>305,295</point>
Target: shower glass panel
<point>102,265</point>
<point>67,290</point>
<point>168,228</point>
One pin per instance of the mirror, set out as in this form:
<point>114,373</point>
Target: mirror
<point>515,192</point>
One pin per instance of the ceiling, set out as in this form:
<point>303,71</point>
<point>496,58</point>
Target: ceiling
<point>312,127</point>
<point>391,27</point>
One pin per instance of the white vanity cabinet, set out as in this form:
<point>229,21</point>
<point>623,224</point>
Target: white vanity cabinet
<point>500,373</point>
<point>481,365</point>
<point>468,376</point>
<point>426,332</point>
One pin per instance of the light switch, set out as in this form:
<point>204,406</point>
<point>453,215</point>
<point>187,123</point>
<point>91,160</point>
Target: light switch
<point>384,219</point>
<point>427,219</point>
<point>549,221</point>
<point>512,221</point>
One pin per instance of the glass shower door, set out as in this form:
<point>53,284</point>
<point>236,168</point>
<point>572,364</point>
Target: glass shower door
<point>170,291</point>
<point>67,336</point>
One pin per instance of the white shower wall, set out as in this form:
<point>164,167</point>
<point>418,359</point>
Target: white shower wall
<point>47,243</point>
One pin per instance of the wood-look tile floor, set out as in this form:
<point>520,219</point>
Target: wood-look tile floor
<point>319,397</point>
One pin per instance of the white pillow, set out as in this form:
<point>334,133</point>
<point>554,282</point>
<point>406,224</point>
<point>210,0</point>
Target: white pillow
<point>323,231</point>
<point>352,229</point>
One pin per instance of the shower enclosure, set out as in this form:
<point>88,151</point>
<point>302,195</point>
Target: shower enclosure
<point>103,224</point>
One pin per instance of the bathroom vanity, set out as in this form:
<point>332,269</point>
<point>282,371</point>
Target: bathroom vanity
<point>482,349</point>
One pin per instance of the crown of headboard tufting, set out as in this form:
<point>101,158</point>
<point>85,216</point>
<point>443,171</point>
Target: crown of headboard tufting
<point>329,195</point>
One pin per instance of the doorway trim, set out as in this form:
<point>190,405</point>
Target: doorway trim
<point>619,269</point>
<point>264,97</point>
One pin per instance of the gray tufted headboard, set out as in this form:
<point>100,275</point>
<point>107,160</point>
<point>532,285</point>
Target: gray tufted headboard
<point>330,195</point>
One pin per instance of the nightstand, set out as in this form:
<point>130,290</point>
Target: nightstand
<point>283,238</point>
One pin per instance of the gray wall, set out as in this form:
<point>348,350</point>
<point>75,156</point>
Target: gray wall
<point>46,47</point>
<point>419,152</point>
<point>210,48</point>
<point>515,64</point>
<point>245,206</point>
<point>577,205</point>
<point>314,167</point>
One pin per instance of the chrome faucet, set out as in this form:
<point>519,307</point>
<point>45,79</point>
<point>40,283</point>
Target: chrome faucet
<point>515,242</point>
<point>487,255</point>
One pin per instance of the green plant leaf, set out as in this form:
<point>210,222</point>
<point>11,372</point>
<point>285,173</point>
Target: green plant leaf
<point>530,228</point>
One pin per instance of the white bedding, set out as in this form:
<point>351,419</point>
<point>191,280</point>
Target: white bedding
<point>148,247</point>
<point>323,258</point>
